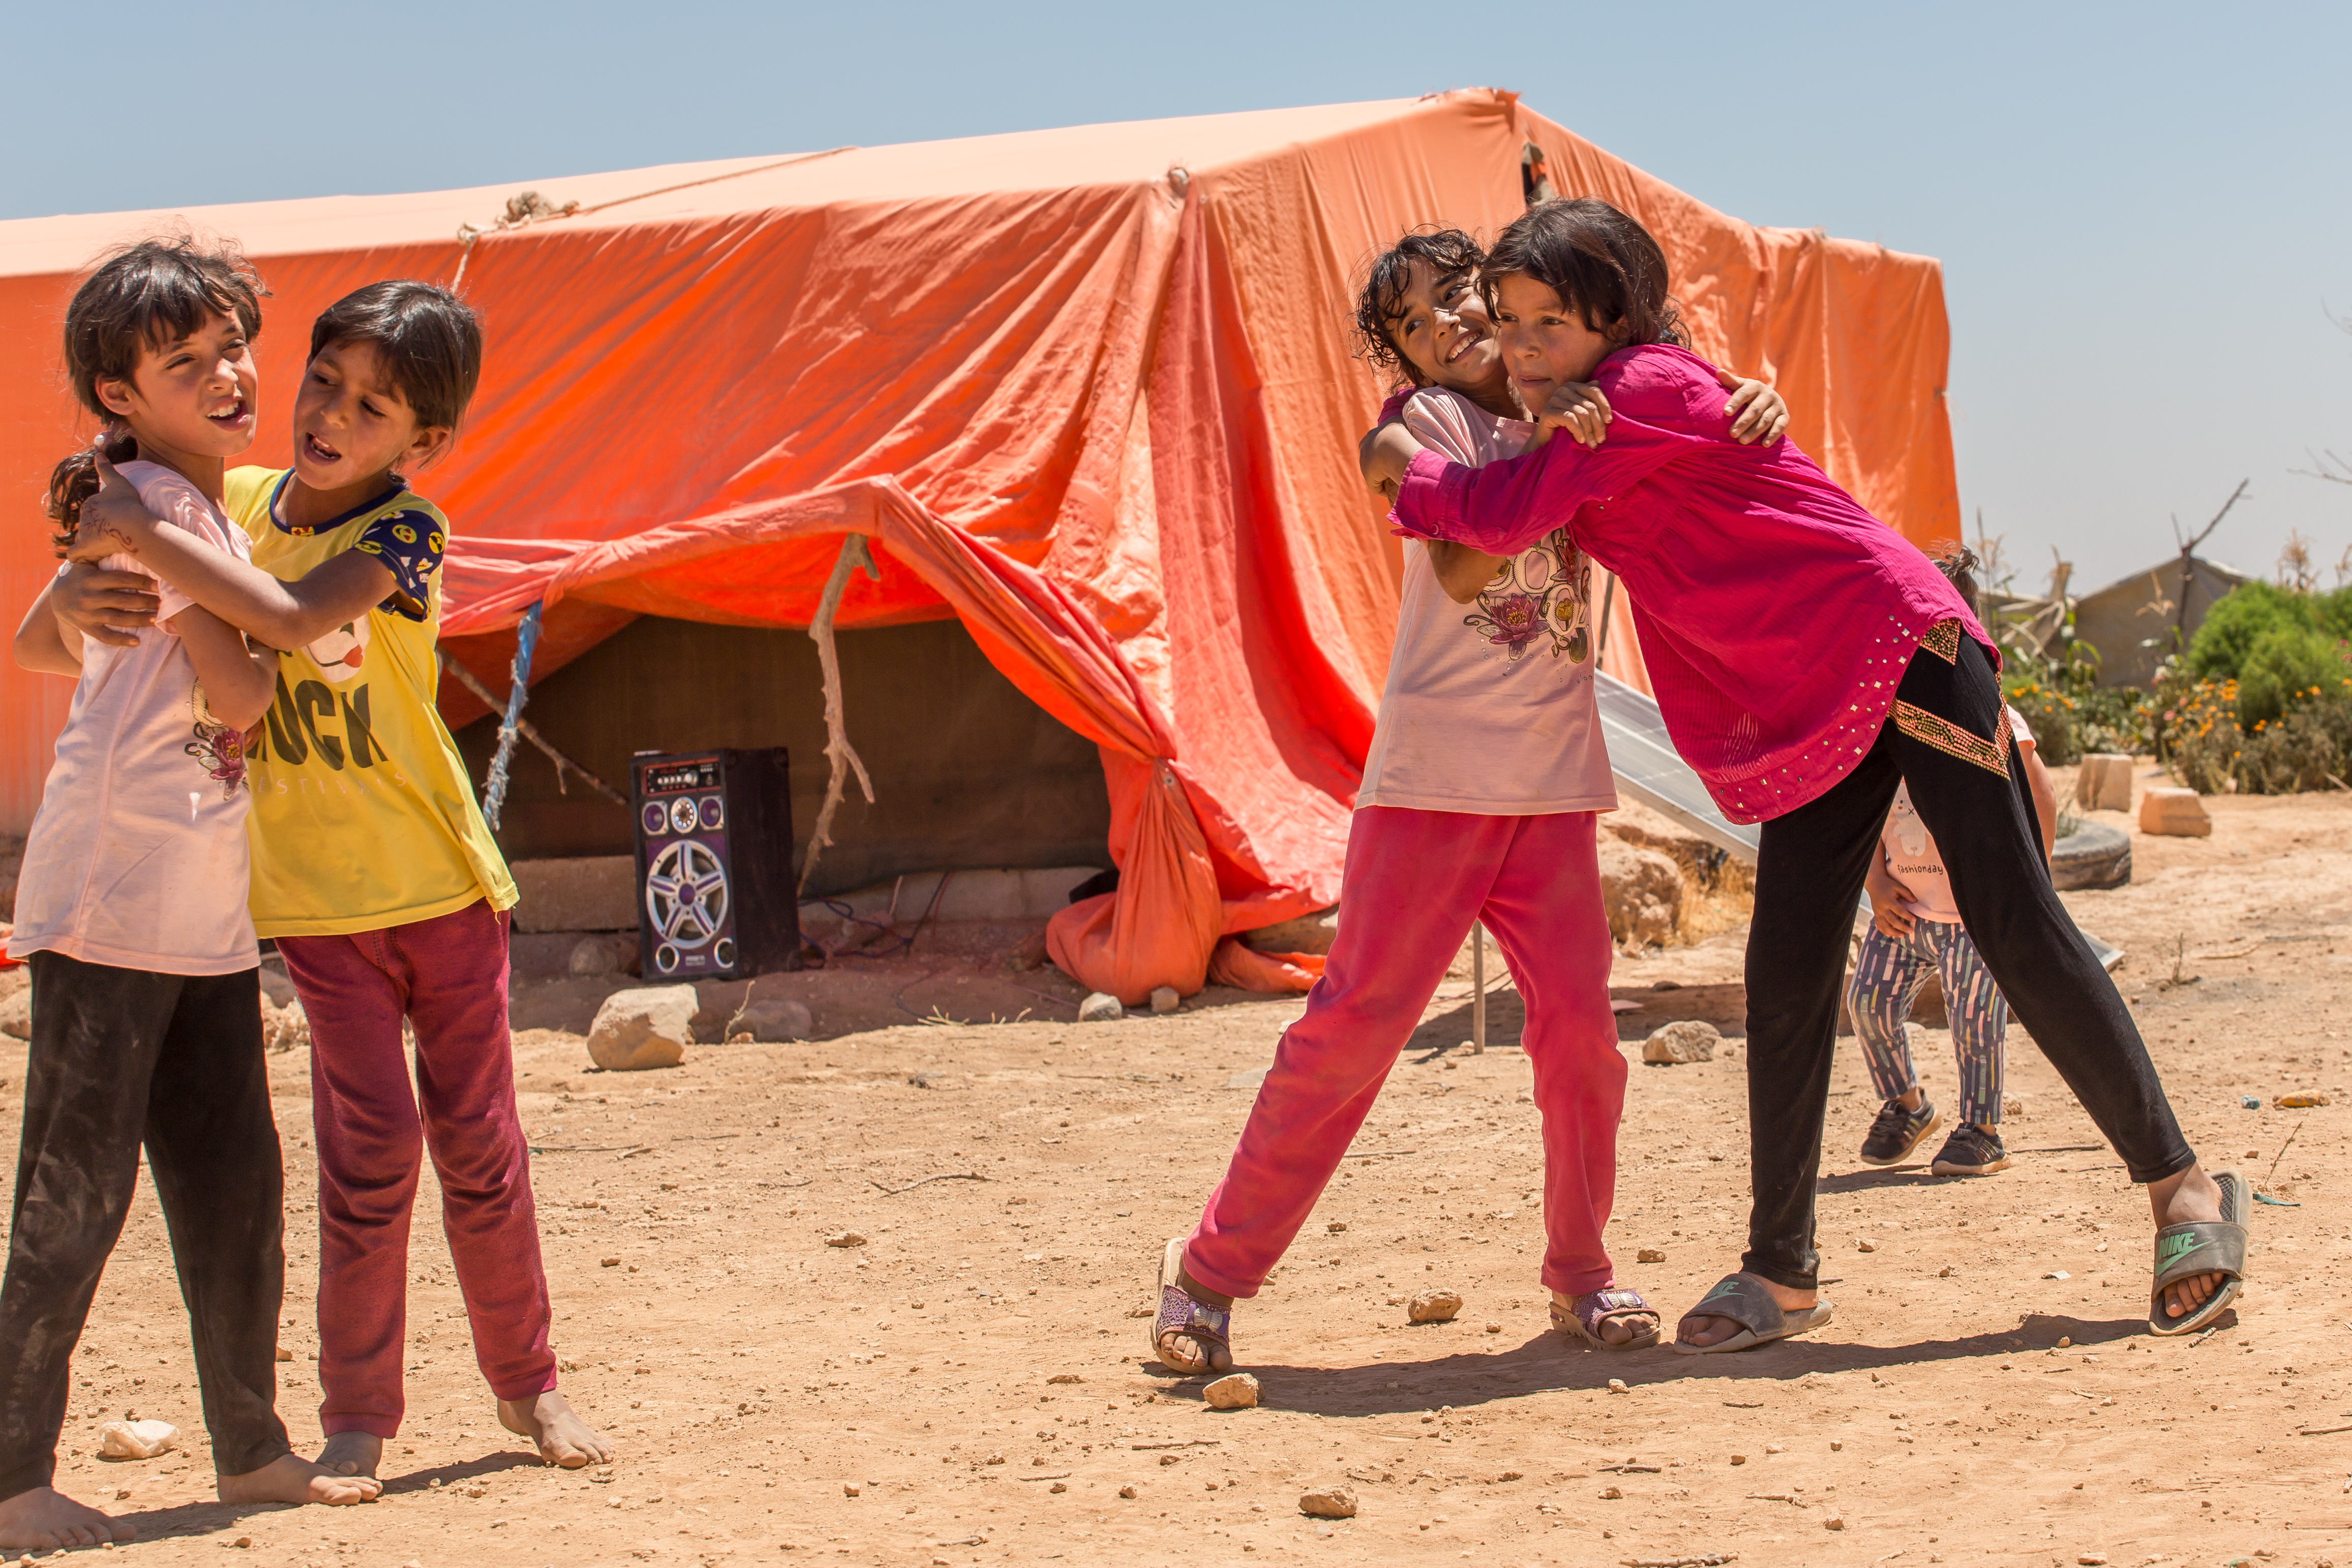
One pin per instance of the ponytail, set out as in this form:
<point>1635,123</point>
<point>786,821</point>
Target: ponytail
<point>75,481</point>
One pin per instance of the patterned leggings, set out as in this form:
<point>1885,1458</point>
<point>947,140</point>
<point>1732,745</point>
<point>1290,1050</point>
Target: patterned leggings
<point>1887,978</point>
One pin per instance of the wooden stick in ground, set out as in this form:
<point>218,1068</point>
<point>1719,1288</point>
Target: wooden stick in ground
<point>837,750</point>
<point>465,678</point>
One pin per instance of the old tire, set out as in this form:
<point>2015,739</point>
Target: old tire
<point>2093,856</point>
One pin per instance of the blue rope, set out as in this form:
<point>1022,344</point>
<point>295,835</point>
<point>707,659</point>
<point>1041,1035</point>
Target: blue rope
<point>494,790</point>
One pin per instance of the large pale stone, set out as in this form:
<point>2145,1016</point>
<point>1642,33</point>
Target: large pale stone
<point>136,1439</point>
<point>1643,889</point>
<point>16,1014</point>
<point>594,892</point>
<point>2175,812</point>
<point>1100,1007</point>
<point>1236,1392</point>
<point>2104,782</point>
<point>647,1026</point>
<point>1688,1041</point>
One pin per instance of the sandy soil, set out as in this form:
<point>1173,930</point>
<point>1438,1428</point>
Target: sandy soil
<point>970,1384</point>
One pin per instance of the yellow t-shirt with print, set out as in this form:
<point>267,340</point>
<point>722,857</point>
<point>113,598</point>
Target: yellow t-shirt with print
<point>363,814</point>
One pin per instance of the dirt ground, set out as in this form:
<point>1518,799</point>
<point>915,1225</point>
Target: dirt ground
<point>971,1383</point>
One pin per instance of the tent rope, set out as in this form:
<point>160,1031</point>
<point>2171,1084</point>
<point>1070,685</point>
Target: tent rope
<point>494,788</point>
<point>854,556</point>
<point>529,208</point>
<point>472,683</point>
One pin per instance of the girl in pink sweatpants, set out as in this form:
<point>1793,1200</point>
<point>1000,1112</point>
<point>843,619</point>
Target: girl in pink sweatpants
<point>1480,801</point>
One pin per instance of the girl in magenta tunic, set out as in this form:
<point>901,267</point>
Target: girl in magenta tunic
<point>1807,659</point>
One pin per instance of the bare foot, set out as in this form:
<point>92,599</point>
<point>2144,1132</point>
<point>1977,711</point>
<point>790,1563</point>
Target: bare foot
<point>291,1478</point>
<point>2182,1200</point>
<point>45,1520</point>
<point>563,1438</point>
<point>1699,1329</point>
<point>1620,1329</point>
<point>352,1454</point>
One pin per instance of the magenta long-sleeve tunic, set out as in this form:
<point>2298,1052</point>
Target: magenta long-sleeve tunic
<point>1777,615</point>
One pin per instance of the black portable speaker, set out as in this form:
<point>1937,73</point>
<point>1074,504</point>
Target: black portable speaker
<point>715,864</point>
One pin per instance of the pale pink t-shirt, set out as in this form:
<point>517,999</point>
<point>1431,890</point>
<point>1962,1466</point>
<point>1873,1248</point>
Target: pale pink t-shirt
<point>1489,707</point>
<point>1912,854</point>
<point>137,857</point>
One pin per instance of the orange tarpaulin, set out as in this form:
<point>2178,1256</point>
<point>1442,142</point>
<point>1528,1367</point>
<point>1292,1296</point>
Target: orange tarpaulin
<point>1088,391</point>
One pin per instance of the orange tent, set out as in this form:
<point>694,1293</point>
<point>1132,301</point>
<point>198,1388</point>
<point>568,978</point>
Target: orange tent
<point>1087,390</point>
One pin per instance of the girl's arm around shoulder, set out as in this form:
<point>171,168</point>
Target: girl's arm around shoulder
<point>239,681</point>
<point>281,615</point>
<point>1507,506</point>
<point>41,643</point>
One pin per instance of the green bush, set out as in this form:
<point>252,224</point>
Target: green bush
<point>2287,664</point>
<point>2239,620</point>
<point>2307,747</point>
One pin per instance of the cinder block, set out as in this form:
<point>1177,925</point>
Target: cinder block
<point>597,893</point>
<point>2176,812</point>
<point>2104,782</point>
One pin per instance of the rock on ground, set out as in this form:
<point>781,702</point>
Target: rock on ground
<point>1688,1041</point>
<point>286,1028</point>
<point>1238,1392</point>
<point>774,1020</point>
<point>601,953</point>
<point>1329,1502</point>
<point>2104,782</point>
<point>1100,1007</point>
<point>16,1015</point>
<point>646,1026</point>
<point>1435,1305</point>
<point>1644,890</point>
<point>1164,999</point>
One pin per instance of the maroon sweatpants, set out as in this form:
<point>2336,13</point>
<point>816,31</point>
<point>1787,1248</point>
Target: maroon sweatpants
<point>448,977</point>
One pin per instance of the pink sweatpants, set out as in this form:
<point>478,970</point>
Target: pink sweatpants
<point>1415,882</point>
<point>448,977</point>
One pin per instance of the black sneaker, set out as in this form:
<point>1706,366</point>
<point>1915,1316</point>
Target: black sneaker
<point>1898,1132</point>
<point>1970,1151</point>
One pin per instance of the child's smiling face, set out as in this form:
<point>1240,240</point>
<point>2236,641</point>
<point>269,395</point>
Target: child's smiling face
<point>1544,342</point>
<point>195,395</point>
<point>352,425</point>
<point>1442,331</point>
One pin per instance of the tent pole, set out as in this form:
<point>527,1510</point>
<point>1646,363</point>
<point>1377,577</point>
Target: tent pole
<point>1477,988</point>
<point>837,750</point>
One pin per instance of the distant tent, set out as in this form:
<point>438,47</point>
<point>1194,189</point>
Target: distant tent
<point>2136,621</point>
<point>1088,393</point>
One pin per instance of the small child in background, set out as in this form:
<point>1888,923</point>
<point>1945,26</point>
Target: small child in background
<point>1916,931</point>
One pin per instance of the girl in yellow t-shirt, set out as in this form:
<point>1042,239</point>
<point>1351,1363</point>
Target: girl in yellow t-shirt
<point>372,866</point>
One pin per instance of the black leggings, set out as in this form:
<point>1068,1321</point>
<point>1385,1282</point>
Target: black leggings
<point>120,1056</point>
<point>1809,878</point>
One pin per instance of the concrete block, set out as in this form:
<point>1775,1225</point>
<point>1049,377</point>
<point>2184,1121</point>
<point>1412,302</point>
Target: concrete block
<point>2104,782</point>
<point>2175,812</point>
<point>596,892</point>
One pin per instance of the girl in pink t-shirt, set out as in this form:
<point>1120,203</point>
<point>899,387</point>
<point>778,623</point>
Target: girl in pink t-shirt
<point>1807,659</point>
<point>1480,794</point>
<point>131,914</point>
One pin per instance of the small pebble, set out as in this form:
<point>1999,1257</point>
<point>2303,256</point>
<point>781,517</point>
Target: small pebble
<point>1335,1227</point>
<point>1127,1491</point>
<point>1863,1244</point>
<point>1836,1444</point>
<point>1774,1448</point>
<point>1494,1328</point>
<point>1650,1254</point>
<point>1616,1386</point>
<point>1433,1306</point>
<point>847,1489</point>
<point>1611,1493</point>
<point>611,1262</point>
<point>1834,1521</point>
<point>1330,1502</point>
<point>1739,1459</point>
<point>1059,1487</point>
<point>844,1238</point>
<point>1238,1392</point>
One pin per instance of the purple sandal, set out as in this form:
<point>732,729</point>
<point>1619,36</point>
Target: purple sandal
<point>1595,1307</point>
<point>1180,1318</point>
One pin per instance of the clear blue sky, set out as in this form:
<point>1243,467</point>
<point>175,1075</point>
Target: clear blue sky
<point>2142,210</point>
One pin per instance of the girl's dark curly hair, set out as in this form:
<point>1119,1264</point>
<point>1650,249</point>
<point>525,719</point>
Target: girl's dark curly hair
<point>1598,261</point>
<point>1381,300</point>
<point>141,297</point>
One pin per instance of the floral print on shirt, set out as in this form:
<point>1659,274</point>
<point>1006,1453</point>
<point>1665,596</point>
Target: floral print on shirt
<point>1539,596</point>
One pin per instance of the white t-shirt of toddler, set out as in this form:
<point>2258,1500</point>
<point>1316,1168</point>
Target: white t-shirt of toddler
<point>136,859</point>
<point>1489,707</point>
<point>1912,854</point>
